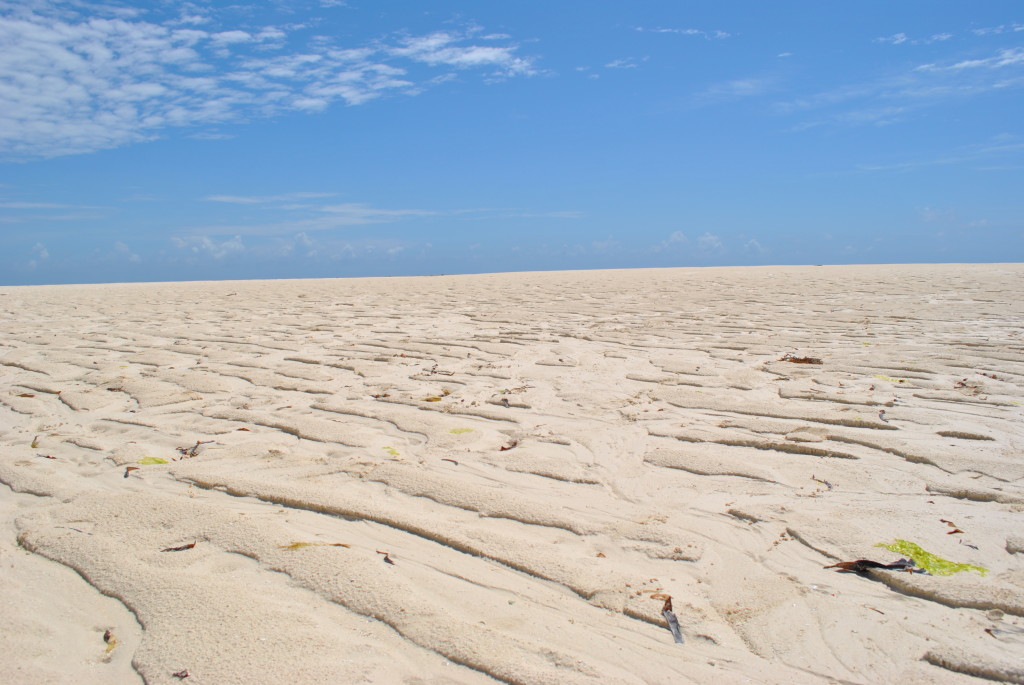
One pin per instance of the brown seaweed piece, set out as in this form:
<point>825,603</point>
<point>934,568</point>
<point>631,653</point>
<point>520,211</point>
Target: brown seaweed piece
<point>862,566</point>
<point>182,548</point>
<point>800,360</point>
<point>301,545</point>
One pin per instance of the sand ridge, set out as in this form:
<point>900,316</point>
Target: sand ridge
<point>497,472</point>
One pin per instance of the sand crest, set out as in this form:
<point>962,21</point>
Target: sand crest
<point>463,479</point>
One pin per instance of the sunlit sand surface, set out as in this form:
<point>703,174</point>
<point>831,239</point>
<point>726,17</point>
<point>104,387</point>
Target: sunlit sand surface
<point>497,472</point>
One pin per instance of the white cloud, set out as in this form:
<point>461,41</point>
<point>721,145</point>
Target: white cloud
<point>263,199</point>
<point>707,35</point>
<point>40,254</point>
<point>72,85</point>
<point>1004,58</point>
<point>191,19</point>
<point>303,241</point>
<point>568,214</point>
<point>1002,28</point>
<point>733,90</point>
<point>229,37</point>
<point>894,39</point>
<point>210,135</point>
<point>303,218</point>
<point>441,48</point>
<point>358,213</point>
<point>209,246</point>
<point>754,246</point>
<point>627,63</point>
<point>675,239</point>
<point>1004,147</point>
<point>125,251</point>
<point>886,100</point>
<point>32,205</point>
<point>312,217</point>
<point>900,38</point>
<point>932,215</point>
<point>710,243</point>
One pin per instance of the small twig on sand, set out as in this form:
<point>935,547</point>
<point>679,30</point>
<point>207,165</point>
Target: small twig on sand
<point>823,482</point>
<point>194,449</point>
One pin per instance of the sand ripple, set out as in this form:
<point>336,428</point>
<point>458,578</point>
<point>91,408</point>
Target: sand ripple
<point>497,471</point>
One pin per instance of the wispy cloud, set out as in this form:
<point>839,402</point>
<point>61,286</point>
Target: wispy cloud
<point>728,91</point>
<point>902,38</point>
<point>210,246</point>
<point>933,215</point>
<point>548,215</point>
<point>358,213</point>
<point>32,205</point>
<point>754,246</point>
<point>265,199</point>
<point>896,97</point>
<point>22,211</point>
<point>625,63</point>
<point>698,33</point>
<point>40,254</point>
<point>310,217</point>
<point>1004,58</point>
<point>675,240</point>
<point>73,84</point>
<point>443,48</point>
<point>1002,28</point>
<point>894,39</point>
<point>122,250</point>
<point>710,243</point>
<point>974,154</point>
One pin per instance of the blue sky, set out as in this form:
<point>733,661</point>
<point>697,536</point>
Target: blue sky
<point>185,141</point>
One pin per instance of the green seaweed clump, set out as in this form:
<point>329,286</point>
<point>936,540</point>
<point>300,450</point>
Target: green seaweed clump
<point>935,565</point>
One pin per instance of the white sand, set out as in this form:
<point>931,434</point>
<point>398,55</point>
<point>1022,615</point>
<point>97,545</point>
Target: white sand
<point>656,443</point>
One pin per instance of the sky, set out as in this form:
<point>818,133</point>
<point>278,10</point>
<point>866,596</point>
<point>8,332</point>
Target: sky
<point>166,141</point>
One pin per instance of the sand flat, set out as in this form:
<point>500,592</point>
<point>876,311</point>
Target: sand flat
<point>495,472</point>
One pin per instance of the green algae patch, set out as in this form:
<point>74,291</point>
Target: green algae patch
<point>459,431</point>
<point>935,565</point>
<point>149,461</point>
